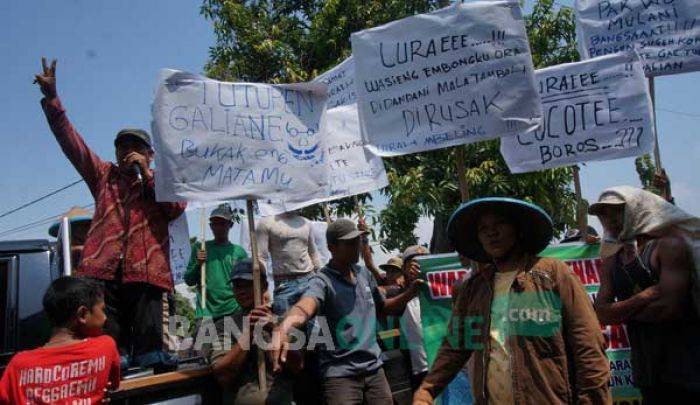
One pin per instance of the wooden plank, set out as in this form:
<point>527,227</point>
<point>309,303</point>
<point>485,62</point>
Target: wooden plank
<point>153,381</point>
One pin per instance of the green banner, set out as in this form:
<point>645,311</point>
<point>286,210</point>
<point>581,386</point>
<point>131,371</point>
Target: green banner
<point>441,272</point>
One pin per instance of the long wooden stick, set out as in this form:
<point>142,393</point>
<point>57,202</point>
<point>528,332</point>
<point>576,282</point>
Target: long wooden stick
<point>581,215</point>
<point>657,151</point>
<point>203,268</point>
<point>461,174</point>
<point>464,188</point>
<point>257,293</point>
<point>327,212</point>
<point>65,237</point>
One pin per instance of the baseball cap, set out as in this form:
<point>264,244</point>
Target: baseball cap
<point>412,251</point>
<point>393,264</point>
<point>222,211</point>
<point>607,198</point>
<point>342,229</point>
<point>134,133</point>
<point>243,270</point>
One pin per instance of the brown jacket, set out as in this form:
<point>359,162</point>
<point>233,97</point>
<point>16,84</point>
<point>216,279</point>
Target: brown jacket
<point>566,365</point>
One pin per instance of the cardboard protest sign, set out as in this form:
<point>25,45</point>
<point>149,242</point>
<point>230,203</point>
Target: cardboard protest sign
<point>221,141</point>
<point>180,248</point>
<point>442,272</point>
<point>458,75</point>
<point>584,260</point>
<point>598,109</point>
<point>341,83</point>
<point>666,33</point>
<point>353,169</point>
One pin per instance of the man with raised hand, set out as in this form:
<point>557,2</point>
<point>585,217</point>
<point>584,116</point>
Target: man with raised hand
<point>126,248</point>
<point>646,282</point>
<point>346,296</point>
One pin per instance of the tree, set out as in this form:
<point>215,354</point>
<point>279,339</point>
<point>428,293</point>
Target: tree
<point>184,308</point>
<point>295,40</point>
<point>645,170</point>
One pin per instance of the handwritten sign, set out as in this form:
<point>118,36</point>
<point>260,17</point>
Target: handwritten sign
<point>666,33</point>
<point>458,75</point>
<point>180,248</point>
<point>221,141</point>
<point>599,109</point>
<point>354,169</point>
<point>341,83</point>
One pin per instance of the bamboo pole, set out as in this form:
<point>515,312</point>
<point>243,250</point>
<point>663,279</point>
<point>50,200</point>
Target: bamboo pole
<point>464,189</point>
<point>581,214</point>
<point>66,245</point>
<point>657,151</point>
<point>461,175</point>
<point>257,292</point>
<point>327,212</point>
<point>203,268</point>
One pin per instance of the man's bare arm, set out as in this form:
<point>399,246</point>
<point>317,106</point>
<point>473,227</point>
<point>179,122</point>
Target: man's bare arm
<point>610,312</point>
<point>395,306</point>
<point>674,263</point>
<point>296,317</point>
<point>229,366</point>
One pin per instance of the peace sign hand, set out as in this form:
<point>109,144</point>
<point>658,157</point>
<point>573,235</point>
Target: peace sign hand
<point>47,80</point>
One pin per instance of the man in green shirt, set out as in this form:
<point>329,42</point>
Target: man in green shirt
<point>220,256</point>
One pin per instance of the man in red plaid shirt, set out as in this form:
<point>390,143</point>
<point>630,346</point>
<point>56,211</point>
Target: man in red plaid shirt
<point>127,245</point>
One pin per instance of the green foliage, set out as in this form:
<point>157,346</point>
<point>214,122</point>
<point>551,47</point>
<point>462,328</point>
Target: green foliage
<point>646,169</point>
<point>184,308</point>
<point>295,40</point>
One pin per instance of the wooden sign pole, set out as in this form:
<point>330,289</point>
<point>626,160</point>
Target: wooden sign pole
<point>203,268</point>
<point>461,175</point>
<point>327,212</point>
<point>657,152</point>
<point>581,214</point>
<point>257,288</point>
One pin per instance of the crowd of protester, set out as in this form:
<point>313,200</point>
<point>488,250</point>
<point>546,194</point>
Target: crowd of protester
<point>319,326</point>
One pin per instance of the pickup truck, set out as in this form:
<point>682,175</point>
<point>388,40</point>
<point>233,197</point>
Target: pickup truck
<point>27,267</point>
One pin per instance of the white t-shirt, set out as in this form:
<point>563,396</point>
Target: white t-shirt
<point>289,242</point>
<point>413,331</point>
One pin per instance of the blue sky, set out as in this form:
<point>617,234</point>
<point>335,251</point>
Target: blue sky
<point>109,54</point>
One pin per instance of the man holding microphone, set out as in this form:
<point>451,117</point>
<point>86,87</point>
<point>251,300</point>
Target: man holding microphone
<point>126,249</point>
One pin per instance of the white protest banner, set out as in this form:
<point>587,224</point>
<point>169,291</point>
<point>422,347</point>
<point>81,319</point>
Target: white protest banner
<point>221,141</point>
<point>458,75</point>
<point>666,33</point>
<point>180,248</point>
<point>341,83</point>
<point>599,109</point>
<point>353,169</point>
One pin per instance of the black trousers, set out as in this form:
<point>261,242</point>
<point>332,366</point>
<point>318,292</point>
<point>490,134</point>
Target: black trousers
<point>667,395</point>
<point>137,316</point>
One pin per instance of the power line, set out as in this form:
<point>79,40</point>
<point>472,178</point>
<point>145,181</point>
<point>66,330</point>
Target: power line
<point>35,224</point>
<point>23,206</point>
<point>685,114</point>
